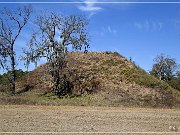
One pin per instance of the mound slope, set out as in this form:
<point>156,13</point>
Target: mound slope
<point>116,80</point>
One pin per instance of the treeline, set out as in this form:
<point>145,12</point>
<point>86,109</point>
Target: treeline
<point>167,69</point>
<point>4,78</point>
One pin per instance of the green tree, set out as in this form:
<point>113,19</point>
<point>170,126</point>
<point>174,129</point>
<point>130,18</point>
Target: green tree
<point>164,67</point>
<point>56,34</point>
<point>11,25</point>
<point>175,82</point>
<point>4,78</point>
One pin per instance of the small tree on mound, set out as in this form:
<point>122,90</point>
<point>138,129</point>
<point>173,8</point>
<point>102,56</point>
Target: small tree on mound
<point>56,35</point>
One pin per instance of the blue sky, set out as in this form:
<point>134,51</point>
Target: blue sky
<point>139,31</point>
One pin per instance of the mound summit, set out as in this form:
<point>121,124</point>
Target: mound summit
<point>115,80</point>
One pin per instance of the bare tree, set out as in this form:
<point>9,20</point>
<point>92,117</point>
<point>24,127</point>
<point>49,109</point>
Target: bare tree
<point>56,35</point>
<point>11,25</point>
<point>164,67</point>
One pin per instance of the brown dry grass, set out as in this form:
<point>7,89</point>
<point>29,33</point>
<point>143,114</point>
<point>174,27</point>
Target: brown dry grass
<point>119,81</point>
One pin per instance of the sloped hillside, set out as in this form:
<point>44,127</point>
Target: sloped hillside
<point>114,79</point>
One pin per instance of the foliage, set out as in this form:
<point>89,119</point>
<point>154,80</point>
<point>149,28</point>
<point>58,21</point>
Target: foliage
<point>175,82</point>
<point>164,67</point>
<point>56,35</point>
<point>4,77</point>
<point>11,25</point>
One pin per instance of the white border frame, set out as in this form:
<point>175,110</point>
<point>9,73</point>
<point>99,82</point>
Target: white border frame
<point>78,2</point>
<point>97,2</point>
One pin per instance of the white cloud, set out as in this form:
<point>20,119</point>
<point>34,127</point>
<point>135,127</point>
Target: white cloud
<point>90,6</point>
<point>93,6</point>
<point>149,25</point>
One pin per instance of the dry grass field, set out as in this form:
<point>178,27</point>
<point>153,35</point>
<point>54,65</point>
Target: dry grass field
<point>87,120</point>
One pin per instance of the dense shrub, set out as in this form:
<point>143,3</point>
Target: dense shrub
<point>5,79</point>
<point>175,83</point>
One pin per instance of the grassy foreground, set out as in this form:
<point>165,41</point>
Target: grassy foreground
<point>96,100</point>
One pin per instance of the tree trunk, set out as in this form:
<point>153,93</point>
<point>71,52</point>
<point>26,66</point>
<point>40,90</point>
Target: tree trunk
<point>13,74</point>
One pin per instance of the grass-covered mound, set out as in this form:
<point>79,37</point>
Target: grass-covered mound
<point>109,78</point>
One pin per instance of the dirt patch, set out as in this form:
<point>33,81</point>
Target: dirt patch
<point>86,119</point>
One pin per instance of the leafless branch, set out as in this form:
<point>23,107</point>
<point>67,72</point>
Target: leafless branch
<point>8,36</point>
<point>57,33</point>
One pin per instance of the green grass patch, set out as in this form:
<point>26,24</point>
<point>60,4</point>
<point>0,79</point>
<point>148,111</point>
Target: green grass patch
<point>139,76</point>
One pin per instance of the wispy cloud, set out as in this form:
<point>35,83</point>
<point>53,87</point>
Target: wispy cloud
<point>90,7</point>
<point>108,30</point>
<point>149,25</point>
